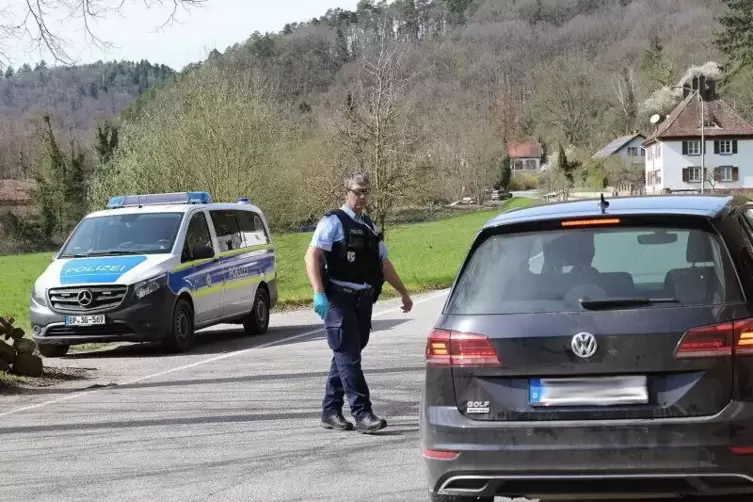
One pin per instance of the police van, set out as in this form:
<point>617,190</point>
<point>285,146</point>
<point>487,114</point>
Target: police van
<point>157,267</point>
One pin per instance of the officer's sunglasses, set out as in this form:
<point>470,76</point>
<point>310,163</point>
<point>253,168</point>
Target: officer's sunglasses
<point>360,191</point>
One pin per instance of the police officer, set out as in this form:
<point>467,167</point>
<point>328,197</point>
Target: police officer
<point>347,264</point>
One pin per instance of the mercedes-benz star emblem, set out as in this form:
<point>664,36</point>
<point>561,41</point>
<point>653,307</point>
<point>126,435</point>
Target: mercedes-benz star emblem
<point>85,298</point>
<point>584,345</point>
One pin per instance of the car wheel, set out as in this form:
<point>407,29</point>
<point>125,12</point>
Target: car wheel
<point>258,320</point>
<point>49,350</point>
<point>433,497</point>
<point>181,336</point>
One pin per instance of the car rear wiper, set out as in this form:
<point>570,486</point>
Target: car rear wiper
<point>636,301</point>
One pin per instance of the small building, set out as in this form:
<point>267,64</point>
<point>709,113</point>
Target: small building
<point>629,148</point>
<point>679,160</point>
<point>525,156</point>
<point>16,195</point>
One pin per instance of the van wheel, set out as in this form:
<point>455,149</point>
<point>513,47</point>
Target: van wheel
<point>181,336</point>
<point>257,321</point>
<point>49,350</point>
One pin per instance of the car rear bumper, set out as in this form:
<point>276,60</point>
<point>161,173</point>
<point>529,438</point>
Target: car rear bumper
<point>541,459</point>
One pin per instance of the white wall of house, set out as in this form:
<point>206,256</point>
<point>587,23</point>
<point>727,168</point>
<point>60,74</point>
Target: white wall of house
<point>655,168</point>
<point>668,160</point>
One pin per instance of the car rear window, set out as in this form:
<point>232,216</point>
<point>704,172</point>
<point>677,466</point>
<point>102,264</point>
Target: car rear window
<point>551,271</point>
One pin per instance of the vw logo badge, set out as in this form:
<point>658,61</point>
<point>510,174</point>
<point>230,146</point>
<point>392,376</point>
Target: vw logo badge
<point>584,345</point>
<point>85,298</point>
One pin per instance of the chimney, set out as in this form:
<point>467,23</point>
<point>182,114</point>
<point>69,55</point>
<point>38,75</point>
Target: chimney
<point>710,94</point>
<point>685,91</point>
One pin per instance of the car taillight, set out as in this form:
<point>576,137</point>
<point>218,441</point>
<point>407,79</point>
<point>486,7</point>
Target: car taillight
<point>717,340</point>
<point>451,348</point>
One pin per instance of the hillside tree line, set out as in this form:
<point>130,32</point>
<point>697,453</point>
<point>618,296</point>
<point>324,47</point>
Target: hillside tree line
<point>427,95</point>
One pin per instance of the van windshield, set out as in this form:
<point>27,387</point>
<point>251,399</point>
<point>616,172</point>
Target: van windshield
<point>596,268</point>
<point>143,233</point>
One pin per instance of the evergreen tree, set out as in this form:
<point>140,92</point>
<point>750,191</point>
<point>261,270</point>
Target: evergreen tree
<point>343,53</point>
<point>106,142</point>
<point>734,39</point>
<point>506,175</point>
<point>653,67</point>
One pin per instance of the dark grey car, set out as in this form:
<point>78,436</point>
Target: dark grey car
<point>596,347</point>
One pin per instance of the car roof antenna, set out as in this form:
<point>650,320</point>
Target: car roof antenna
<point>603,204</point>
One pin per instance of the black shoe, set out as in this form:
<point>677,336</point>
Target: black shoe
<point>369,423</point>
<point>336,421</point>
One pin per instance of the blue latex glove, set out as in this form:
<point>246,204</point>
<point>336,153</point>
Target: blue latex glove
<point>321,304</point>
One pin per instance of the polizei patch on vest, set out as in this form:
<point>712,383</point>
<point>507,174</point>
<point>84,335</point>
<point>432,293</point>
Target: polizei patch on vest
<point>351,256</point>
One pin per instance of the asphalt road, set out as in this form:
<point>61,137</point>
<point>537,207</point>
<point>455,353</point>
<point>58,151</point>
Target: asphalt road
<point>237,419</point>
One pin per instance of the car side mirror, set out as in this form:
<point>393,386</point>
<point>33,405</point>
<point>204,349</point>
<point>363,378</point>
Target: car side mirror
<point>202,252</point>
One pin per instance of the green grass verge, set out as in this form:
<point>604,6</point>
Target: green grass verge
<point>426,255</point>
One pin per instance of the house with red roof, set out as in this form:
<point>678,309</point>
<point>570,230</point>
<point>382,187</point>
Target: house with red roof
<point>525,156</point>
<point>15,195</point>
<point>703,142</point>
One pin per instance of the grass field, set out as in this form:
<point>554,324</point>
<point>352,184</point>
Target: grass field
<point>426,255</point>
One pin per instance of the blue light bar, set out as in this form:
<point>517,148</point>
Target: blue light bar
<point>159,198</point>
<point>242,200</point>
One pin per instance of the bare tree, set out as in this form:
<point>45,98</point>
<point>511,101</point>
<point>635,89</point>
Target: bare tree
<point>31,20</point>
<point>377,127</point>
<point>625,88</point>
<point>567,99</point>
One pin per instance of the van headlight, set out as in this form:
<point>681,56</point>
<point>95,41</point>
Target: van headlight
<point>37,294</point>
<point>149,286</point>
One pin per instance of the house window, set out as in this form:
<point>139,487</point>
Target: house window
<point>643,152</point>
<point>726,174</point>
<point>632,151</point>
<point>692,147</point>
<point>694,174</point>
<point>725,146</point>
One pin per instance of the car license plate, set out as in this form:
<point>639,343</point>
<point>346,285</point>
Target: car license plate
<point>84,320</point>
<point>593,391</point>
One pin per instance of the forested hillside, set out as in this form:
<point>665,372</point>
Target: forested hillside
<point>425,94</point>
<point>75,98</point>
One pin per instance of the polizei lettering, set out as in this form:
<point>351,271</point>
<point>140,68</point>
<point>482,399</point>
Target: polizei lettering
<point>88,269</point>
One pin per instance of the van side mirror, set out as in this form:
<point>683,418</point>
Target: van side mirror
<point>202,252</point>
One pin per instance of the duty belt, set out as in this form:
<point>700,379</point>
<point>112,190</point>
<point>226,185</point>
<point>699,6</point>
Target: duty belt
<point>351,291</point>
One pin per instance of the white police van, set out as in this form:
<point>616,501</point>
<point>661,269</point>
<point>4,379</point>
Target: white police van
<point>157,267</point>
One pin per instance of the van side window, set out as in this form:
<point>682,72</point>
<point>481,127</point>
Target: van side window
<point>252,229</point>
<point>228,233</point>
<point>196,233</point>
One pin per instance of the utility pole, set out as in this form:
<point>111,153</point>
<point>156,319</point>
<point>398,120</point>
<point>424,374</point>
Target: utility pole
<point>703,141</point>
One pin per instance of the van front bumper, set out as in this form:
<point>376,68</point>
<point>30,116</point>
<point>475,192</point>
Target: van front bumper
<point>135,320</point>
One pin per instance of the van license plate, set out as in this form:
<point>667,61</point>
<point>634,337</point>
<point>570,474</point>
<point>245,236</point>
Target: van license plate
<point>595,391</point>
<point>84,320</point>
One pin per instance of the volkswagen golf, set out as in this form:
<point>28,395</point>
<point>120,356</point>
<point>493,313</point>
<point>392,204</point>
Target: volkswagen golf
<point>600,348</point>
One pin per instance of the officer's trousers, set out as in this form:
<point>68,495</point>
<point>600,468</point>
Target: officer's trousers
<point>348,325</point>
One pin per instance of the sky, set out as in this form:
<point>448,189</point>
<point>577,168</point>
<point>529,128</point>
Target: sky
<point>137,33</point>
